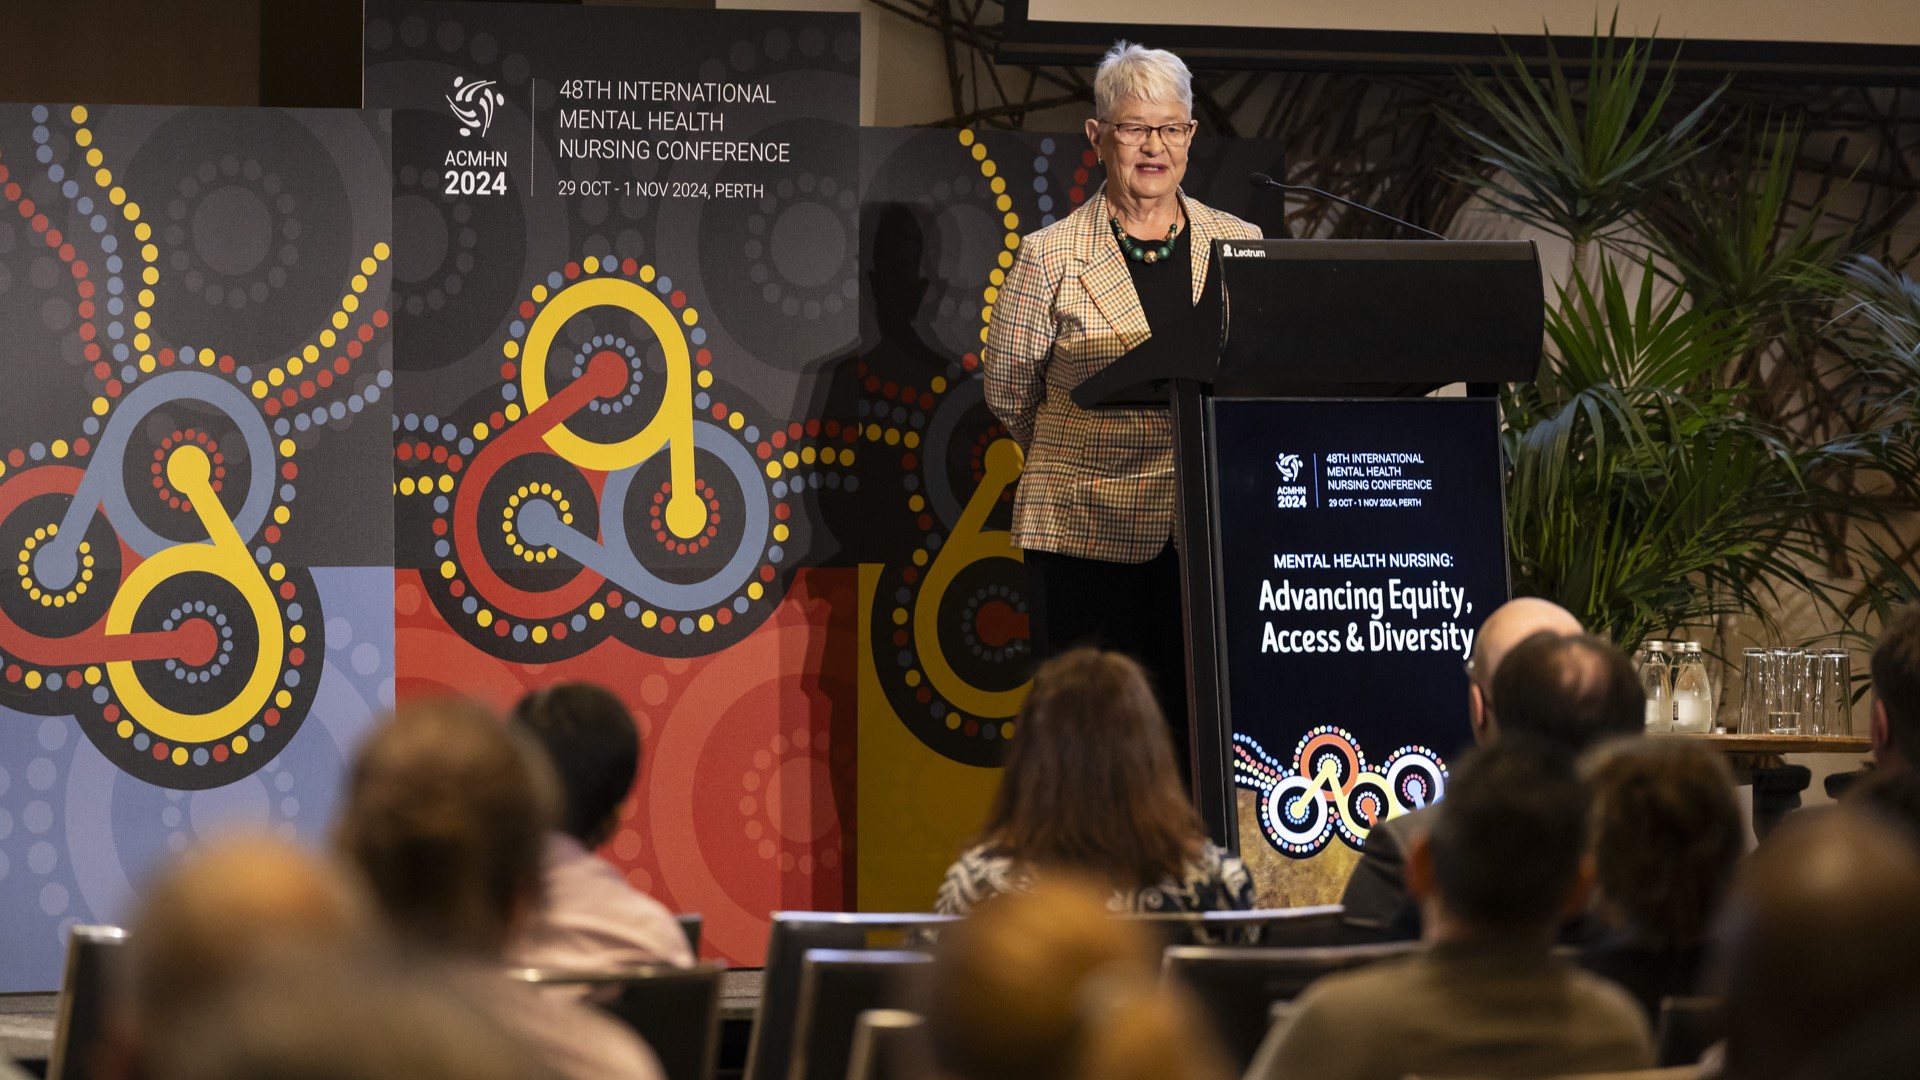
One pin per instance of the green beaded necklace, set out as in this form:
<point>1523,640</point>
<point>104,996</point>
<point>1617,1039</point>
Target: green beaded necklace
<point>1143,254</point>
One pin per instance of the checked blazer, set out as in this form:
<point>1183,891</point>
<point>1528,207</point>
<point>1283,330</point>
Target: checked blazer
<point>1096,484</point>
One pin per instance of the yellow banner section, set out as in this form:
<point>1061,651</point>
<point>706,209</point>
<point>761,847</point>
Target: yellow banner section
<point>917,809</point>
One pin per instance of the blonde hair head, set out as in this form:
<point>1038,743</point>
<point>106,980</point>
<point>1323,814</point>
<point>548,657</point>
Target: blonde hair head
<point>1134,71</point>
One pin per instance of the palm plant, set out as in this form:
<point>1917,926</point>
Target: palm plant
<point>1667,469</point>
<point>1642,495</point>
<point>1730,236</point>
<point>1883,342</point>
<point>1580,158</point>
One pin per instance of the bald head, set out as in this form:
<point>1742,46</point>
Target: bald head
<point>216,914</point>
<point>1818,931</point>
<point>1510,624</point>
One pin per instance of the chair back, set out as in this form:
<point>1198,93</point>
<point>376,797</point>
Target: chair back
<point>95,961</point>
<point>1238,987</point>
<point>836,986</point>
<point>1687,1027</point>
<point>770,1048</point>
<point>1299,927</point>
<point>888,1044</point>
<point>675,1010</point>
<point>1682,1073</point>
<point>1304,927</point>
<point>690,925</point>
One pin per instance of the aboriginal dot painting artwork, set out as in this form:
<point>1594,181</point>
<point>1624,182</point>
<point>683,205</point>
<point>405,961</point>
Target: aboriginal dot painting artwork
<point>633,360</point>
<point>195,627</point>
<point>625,259</point>
<point>689,404</point>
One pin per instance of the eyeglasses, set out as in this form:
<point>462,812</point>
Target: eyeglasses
<point>1171,134</point>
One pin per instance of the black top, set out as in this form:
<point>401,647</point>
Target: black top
<point>1165,287</point>
<point>1648,972</point>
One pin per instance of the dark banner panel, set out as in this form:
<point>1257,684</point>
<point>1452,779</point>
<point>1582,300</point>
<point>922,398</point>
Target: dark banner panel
<point>194,491</point>
<point>689,406</point>
<point>1360,546</point>
<point>628,250</point>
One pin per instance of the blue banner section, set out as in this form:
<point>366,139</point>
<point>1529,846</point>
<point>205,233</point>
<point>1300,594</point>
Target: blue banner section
<point>78,836</point>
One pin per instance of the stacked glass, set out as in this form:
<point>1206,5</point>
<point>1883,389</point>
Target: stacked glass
<point>1829,692</point>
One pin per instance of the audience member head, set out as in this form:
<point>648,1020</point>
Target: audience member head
<point>1882,1046</point>
<point>337,1019</point>
<point>1506,854</point>
<point>445,814</point>
<point>1893,796</point>
<point>1048,985</point>
<point>1896,691</point>
<point>1569,693</point>
<point>1508,625</point>
<point>1666,836</point>
<point>1090,781</point>
<point>595,748</point>
<point>207,922</point>
<point>215,914</point>
<point>1818,933</point>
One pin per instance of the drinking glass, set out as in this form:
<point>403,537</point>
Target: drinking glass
<point>1829,692</point>
<point>1785,695</point>
<point>1753,690</point>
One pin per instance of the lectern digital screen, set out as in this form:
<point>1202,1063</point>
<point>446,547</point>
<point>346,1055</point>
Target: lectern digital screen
<point>1360,545</point>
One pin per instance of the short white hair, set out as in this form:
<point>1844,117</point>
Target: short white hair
<point>1134,71</point>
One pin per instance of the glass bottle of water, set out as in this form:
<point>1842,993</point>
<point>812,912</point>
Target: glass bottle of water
<point>1656,676</point>
<point>1692,693</point>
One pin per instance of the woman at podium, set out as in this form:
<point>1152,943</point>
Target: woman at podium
<point>1094,509</point>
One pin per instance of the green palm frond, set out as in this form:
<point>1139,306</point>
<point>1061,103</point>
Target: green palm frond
<point>1642,497</point>
<point>1737,245</point>
<point>1579,158</point>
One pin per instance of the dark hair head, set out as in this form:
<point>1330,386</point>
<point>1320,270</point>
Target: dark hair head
<point>1817,933</point>
<point>1896,680</point>
<point>1567,691</point>
<point>446,812</point>
<point>1090,780</point>
<point>1666,836</point>
<point>595,748</point>
<point>1508,838</point>
<point>1893,796</point>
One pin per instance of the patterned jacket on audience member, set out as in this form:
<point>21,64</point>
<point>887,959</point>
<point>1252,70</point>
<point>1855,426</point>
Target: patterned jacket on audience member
<point>1099,484</point>
<point>1212,880</point>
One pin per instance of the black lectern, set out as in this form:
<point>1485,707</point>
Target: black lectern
<point>1357,326</point>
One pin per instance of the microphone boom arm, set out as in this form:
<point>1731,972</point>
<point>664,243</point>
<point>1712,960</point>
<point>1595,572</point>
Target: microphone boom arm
<point>1263,180</point>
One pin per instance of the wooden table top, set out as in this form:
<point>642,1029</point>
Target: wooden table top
<point>1779,744</point>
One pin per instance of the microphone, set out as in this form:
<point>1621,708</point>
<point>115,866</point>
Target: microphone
<point>1261,179</point>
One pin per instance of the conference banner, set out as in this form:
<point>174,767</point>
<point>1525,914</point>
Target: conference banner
<point>689,405</point>
<point>194,491</point>
<point>626,251</point>
<point>1360,546</point>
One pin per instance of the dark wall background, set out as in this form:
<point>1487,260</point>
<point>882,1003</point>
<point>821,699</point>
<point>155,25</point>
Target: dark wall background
<point>179,52</point>
<point>192,52</point>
